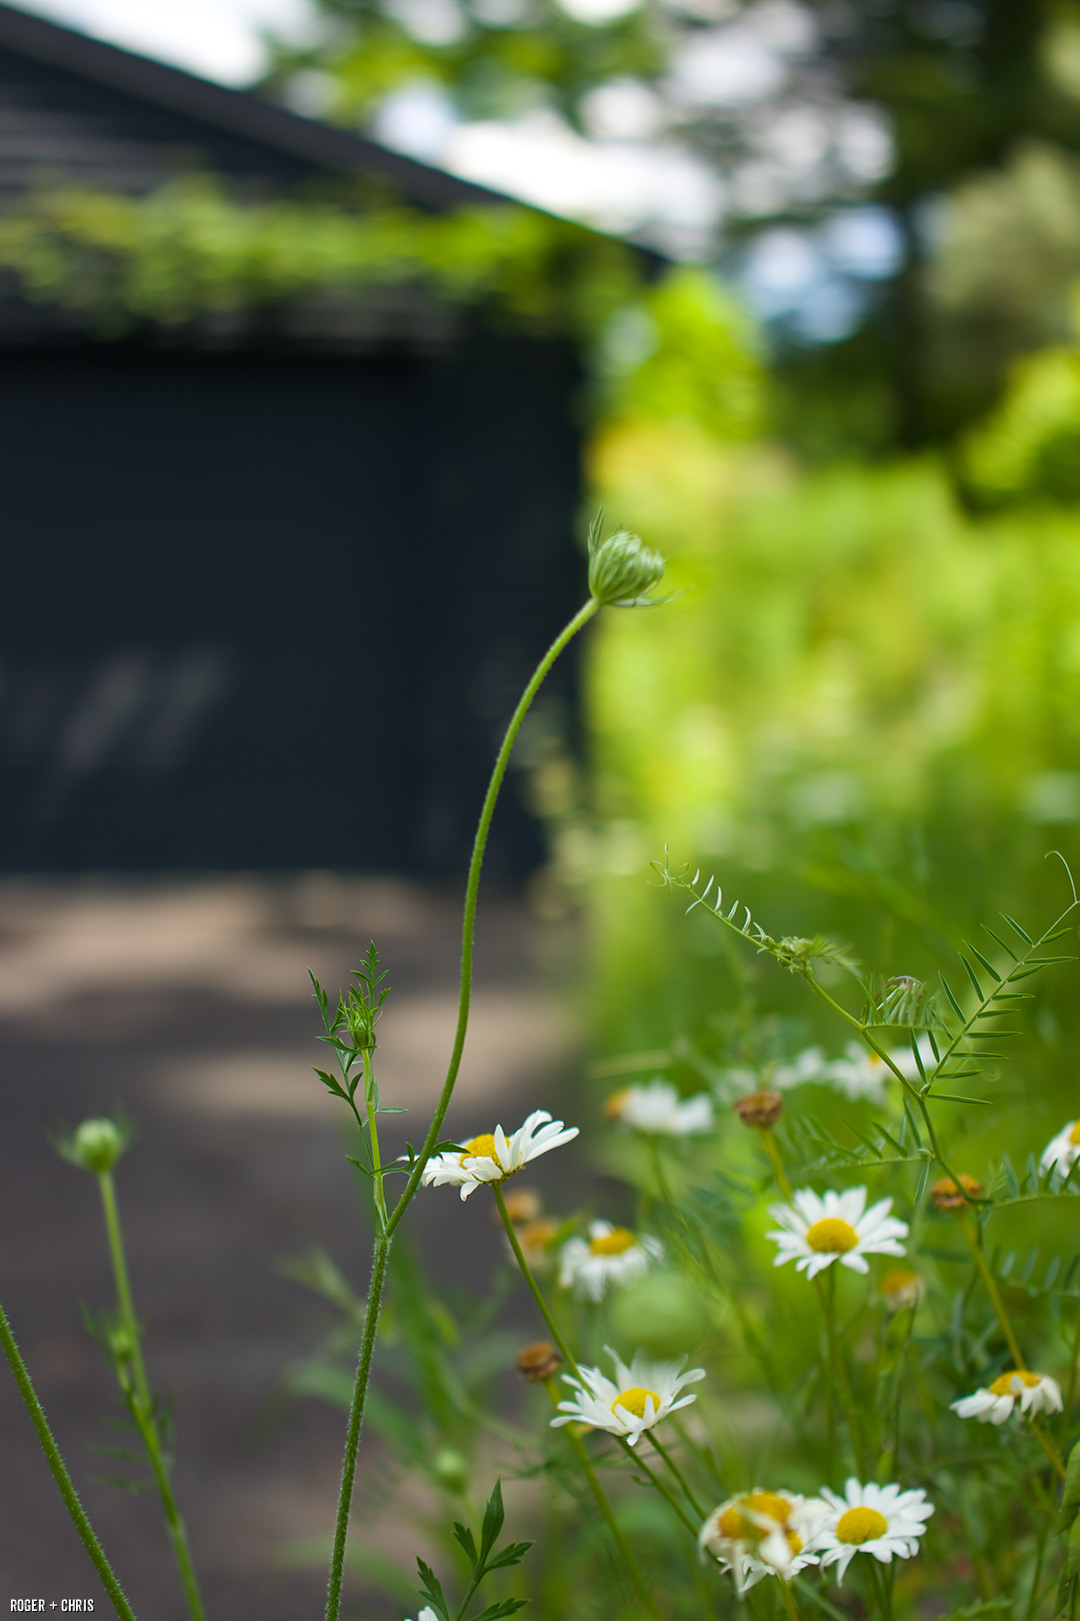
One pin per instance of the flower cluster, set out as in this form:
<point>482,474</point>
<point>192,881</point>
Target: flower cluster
<point>778,1533</point>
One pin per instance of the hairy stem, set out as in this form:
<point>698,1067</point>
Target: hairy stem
<point>60,1474</point>
<point>140,1399</point>
<point>472,885</point>
<point>356,1419</point>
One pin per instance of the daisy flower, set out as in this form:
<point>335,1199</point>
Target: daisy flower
<point>659,1110</point>
<point>1062,1151</point>
<point>879,1520</point>
<point>493,1156</point>
<point>1035,1393</point>
<point>862,1074</point>
<point>609,1255</point>
<point>836,1228</point>
<point>639,1397</point>
<point>809,1065</point>
<point>761,1534</point>
<point>901,1289</point>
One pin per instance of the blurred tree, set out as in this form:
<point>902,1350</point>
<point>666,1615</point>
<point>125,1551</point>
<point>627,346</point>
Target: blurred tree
<point>857,134</point>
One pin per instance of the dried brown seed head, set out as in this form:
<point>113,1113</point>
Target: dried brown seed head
<point>761,1109</point>
<point>538,1361</point>
<point>948,1195</point>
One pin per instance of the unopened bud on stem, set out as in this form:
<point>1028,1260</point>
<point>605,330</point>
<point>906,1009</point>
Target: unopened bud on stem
<point>96,1145</point>
<point>622,569</point>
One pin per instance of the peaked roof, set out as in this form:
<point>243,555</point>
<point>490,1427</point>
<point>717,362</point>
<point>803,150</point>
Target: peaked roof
<point>76,107</point>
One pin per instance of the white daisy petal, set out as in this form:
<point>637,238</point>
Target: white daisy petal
<point>610,1255</point>
<point>658,1110</point>
<point>493,1156</point>
<point>1030,1392</point>
<point>1062,1151</point>
<point>815,1232</point>
<point>639,1397</point>
<point>762,1533</point>
<point>877,1520</point>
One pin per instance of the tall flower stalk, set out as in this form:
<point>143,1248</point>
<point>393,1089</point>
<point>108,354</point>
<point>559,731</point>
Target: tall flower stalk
<point>622,572</point>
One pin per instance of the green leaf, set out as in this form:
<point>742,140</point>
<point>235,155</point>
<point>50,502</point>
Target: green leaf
<point>494,1515</point>
<point>464,1537</point>
<point>506,1606</point>
<point>332,1085</point>
<point>512,1554</point>
<point>953,1097</point>
<point>431,1590</point>
<point>1024,935</point>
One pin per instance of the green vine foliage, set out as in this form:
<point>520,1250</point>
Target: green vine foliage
<point>188,249</point>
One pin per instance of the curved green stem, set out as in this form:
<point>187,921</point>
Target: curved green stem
<point>679,1476</point>
<point>142,1402</point>
<point>60,1474</point>
<point>389,1223</point>
<point>527,1274</point>
<point>472,885</point>
<point>356,1419</point>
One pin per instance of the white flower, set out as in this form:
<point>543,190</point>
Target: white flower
<point>879,1520</point>
<point>1035,1393</point>
<point>659,1110</point>
<point>762,1533</point>
<point>609,1255</point>
<point>1062,1150</point>
<point>426,1614</point>
<point>835,1228</point>
<point>492,1156</point>
<point>809,1065</point>
<point>862,1074</point>
<point>640,1396</point>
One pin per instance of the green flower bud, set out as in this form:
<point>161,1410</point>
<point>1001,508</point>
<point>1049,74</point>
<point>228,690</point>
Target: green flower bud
<point>121,1343</point>
<point>622,569</point>
<point>96,1145</point>
<point>450,1469</point>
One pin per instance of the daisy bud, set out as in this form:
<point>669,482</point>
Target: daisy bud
<point>96,1145</point>
<point>538,1362</point>
<point>622,569</point>
<point>761,1109</point>
<point>901,1289</point>
<point>948,1195</point>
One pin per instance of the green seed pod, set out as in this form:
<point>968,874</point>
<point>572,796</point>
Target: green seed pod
<point>622,569</point>
<point>96,1145</point>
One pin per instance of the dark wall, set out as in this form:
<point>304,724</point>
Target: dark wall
<point>271,612</point>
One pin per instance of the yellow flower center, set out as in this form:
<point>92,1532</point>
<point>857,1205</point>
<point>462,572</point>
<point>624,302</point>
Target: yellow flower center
<point>614,1105</point>
<point>614,1243</point>
<point>482,1147</point>
<point>634,1401</point>
<point>1074,1134</point>
<point>832,1236</point>
<point>861,1525</point>
<point>735,1522</point>
<point>1002,1385</point>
